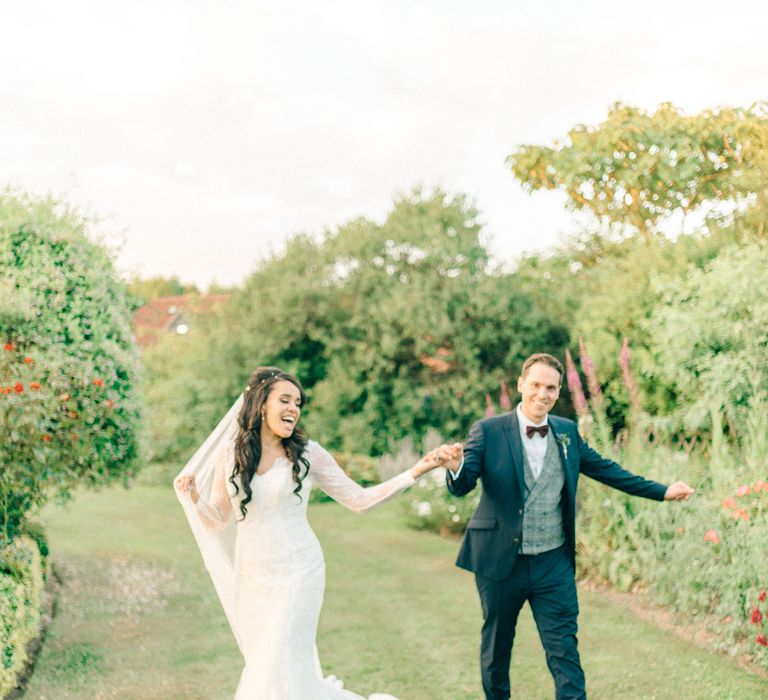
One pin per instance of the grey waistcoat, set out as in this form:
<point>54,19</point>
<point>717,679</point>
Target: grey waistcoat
<point>543,512</point>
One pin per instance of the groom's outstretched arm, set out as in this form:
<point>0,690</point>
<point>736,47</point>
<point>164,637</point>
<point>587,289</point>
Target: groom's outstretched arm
<point>595,466</point>
<point>461,478</point>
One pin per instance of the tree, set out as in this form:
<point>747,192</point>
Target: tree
<point>393,327</point>
<point>147,289</point>
<point>636,169</point>
<point>69,414</point>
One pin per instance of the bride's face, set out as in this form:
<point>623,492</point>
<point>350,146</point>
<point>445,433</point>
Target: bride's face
<point>282,408</point>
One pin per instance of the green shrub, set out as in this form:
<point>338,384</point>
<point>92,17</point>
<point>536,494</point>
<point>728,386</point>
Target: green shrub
<point>68,409</point>
<point>21,594</point>
<point>432,507</point>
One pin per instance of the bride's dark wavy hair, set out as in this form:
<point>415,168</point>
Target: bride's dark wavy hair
<point>248,440</point>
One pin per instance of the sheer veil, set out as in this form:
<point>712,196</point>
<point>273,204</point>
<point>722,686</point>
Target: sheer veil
<point>216,547</point>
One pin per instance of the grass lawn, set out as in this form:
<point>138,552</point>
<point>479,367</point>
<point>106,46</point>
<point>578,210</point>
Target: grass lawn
<point>138,618</point>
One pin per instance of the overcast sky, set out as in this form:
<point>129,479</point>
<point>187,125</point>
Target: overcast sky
<point>204,133</point>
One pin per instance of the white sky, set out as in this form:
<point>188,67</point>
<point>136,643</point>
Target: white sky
<point>204,133</point>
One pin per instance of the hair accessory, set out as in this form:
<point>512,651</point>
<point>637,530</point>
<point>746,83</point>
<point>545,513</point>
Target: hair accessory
<point>269,376</point>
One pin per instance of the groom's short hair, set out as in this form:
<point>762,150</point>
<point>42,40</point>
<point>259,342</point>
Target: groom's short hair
<point>546,359</point>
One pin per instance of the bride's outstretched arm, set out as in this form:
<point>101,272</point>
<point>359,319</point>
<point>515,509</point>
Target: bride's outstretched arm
<point>330,477</point>
<point>215,513</point>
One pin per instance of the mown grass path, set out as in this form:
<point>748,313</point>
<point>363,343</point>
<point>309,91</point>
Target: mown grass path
<point>138,618</point>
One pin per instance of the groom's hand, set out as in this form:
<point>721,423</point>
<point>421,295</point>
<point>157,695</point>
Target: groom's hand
<point>451,455</point>
<point>679,491</point>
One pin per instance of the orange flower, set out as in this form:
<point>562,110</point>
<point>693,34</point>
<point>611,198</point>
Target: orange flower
<point>18,388</point>
<point>743,491</point>
<point>8,347</point>
<point>739,513</point>
<point>711,536</point>
<point>46,438</point>
<point>729,502</point>
<point>5,390</point>
<point>35,386</point>
<point>98,382</point>
<point>28,360</point>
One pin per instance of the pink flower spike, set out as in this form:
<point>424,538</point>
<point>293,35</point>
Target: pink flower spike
<point>729,503</point>
<point>574,386</point>
<point>595,392</point>
<point>711,536</point>
<point>504,400</point>
<point>743,491</point>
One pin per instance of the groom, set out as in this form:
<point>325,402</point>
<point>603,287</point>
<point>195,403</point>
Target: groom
<point>520,542</point>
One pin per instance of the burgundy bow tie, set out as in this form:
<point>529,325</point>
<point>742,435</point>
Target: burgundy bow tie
<point>540,429</point>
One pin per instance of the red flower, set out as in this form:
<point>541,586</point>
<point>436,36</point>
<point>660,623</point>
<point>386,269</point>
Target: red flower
<point>711,536</point>
<point>762,640</point>
<point>5,390</point>
<point>28,360</point>
<point>762,596</point>
<point>729,502</point>
<point>18,388</point>
<point>742,491</point>
<point>98,382</point>
<point>46,438</point>
<point>756,617</point>
<point>35,386</point>
<point>8,347</point>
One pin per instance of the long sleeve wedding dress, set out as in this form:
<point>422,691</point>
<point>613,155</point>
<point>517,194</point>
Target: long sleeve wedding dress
<point>279,571</point>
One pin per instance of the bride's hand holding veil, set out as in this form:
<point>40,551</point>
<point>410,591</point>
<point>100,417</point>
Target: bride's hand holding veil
<point>185,483</point>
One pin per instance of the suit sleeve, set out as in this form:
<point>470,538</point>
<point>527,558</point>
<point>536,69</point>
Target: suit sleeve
<point>597,467</point>
<point>472,466</point>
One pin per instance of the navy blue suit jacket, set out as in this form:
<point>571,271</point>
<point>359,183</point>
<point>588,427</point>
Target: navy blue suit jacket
<point>493,453</point>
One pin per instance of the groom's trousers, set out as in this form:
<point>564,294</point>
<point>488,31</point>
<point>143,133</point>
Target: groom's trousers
<point>547,582</point>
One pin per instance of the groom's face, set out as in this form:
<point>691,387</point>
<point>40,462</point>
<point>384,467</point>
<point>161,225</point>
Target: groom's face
<point>540,389</point>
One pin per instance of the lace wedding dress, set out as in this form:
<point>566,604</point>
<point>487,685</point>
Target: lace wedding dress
<point>272,588</point>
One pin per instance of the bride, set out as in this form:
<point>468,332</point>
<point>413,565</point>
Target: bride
<point>245,493</point>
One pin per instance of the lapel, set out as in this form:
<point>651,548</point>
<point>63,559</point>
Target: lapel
<point>512,432</point>
<point>566,452</point>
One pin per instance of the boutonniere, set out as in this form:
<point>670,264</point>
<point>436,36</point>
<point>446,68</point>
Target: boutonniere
<point>563,439</point>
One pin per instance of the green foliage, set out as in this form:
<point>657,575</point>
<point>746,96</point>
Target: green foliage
<point>710,343</point>
<point>68,410</point>
<point>636,169</point>
<point>147,289</point>
<point>21,593</point>
<point>431,506</point>
<point>393,328</point>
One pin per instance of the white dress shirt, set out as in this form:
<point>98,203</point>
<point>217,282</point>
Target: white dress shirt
<point>535,446</point>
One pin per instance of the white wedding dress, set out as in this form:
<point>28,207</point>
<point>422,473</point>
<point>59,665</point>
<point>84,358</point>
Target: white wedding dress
<point>274,594</point>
